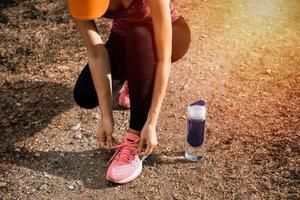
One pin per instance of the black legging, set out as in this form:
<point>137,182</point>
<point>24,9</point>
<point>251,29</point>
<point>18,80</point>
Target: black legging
<point>133,58</point>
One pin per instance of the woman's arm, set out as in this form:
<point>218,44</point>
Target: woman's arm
<point>162,25</point>
<point>101,74</point>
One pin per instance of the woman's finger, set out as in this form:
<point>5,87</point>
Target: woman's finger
<point>141,146</point>
<point>108,141</point>
<point>148,150</point>
<point>101,143</point>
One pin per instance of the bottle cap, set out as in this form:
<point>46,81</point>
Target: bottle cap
<point>199,103</point>
<point>197,110</point>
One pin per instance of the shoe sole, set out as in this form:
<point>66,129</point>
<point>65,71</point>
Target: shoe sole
<point>131,177</point>
<point>124,106</point>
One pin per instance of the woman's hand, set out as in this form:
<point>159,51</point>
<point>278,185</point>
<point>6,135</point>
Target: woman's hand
<point>148,139</point>
<point>104,134</point>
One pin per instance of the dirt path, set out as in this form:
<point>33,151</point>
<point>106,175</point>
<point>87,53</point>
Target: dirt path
<point>244,61</point>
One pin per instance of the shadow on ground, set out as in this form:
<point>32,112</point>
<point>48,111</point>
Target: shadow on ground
<point>88,167</point>
<point>29,107</point>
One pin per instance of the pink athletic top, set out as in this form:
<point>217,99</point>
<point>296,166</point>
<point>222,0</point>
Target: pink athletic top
<point>138,11</point>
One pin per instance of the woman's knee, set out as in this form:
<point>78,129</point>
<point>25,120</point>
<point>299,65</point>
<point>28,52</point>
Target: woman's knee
<point>84,92</point>
<point>83,100</point>
<point>139,38</point>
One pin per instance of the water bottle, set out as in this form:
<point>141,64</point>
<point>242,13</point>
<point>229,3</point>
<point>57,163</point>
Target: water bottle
<point>194,147</point>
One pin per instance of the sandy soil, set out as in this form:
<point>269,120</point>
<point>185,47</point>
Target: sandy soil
<point>244,61</point>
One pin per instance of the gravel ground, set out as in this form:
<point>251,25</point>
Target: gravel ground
<point>244,61</point>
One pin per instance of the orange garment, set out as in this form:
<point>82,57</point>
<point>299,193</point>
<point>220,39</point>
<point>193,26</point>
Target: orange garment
<point>87,9</point>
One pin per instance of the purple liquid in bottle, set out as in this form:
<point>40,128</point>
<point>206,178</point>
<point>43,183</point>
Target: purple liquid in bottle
<point>196,123</point>
<point>196,132</point>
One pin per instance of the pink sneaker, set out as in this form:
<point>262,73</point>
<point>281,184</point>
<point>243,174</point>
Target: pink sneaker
<point>125,165</point>
<point>124,100</point>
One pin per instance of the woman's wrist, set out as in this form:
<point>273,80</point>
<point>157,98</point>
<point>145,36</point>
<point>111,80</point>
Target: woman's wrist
<point>152,117</point>
<point>106,114</point>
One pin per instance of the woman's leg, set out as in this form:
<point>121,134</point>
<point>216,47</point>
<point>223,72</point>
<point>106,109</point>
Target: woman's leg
<point>84,91</point>
<point>140,64</point>
<point>141,61</point>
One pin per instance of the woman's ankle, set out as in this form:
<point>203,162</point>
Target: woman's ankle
<point>130,130</point>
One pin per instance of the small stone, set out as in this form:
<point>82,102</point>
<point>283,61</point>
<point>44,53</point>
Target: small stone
<point>45,174</point>
<point>17,150</point>
<point>43,187</point>
<point>89,180</point>
<point>71,187</point>
<point>80,183</point>
<point>175,196</point>
<point>18,104</point>
<point>269,71</point>
<point>152,176</point>
<point>27,127</point>
<point>91,155</point>
<point>3,184</point>
<point>95,115</point>
<point>76,127</point>
<point>37,154</point>
<point>78,135</point>
<point>86,140</point>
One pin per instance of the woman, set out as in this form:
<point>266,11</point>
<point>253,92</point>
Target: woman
<point>146,37</point>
